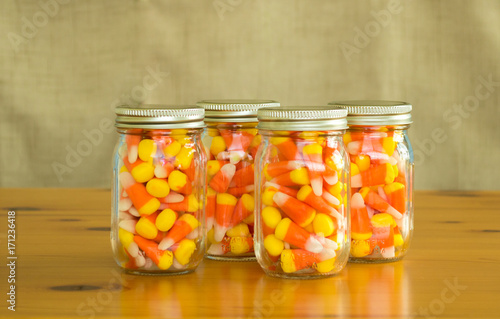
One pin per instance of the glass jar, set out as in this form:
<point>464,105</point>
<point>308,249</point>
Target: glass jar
<point>381,179</point>
<point>231,142</point>
<point>158,189</point>
<point>302,187</point>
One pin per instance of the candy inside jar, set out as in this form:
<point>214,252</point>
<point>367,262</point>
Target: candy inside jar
<point>302,191</point>
<point>381,179</point>
<point>231,142</point>
<point>158,212</point>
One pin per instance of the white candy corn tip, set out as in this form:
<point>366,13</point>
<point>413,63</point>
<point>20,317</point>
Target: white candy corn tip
<point>317,186</point>
<point>381,193</point>
<point>336,214</point>
<point>124,204</point>
<point>388,252</point>
<point>357,201</point>
<point>140,261</point>
<point>134,212</point>
<point>356,181</point>
<point>228,170</point>
<point>174,197</point>
<point>133,249</point>
<point>128,225</point>
<point>215,249</point>
<point>132,154</point>
<point>193,235</point>
<point>126,179</point>
<point>148,263</point>
<point>331,199</point>
<point>327,254</point>
<point>354,147</point>
<point>125,216</point>
<point>280,198</point>
<point>210,223</point>
<point>391,210</point>
<point>177,265</point>
<point>166,243</point>
<point>313,245</point>
<point>219,232</point>
<point>331,179</point>
<point>292,165</point>
<point>160,171</point>
<point>370,211</point>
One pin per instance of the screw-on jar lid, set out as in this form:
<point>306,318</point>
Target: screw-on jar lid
<point>156,116</point>
<point>302,118</point>
<point>366,112</point>
<point>234,110</point>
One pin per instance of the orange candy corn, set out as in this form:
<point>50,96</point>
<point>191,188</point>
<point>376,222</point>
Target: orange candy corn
<point>243,177</point>
<point>374,200</point>
<point>307,195</point>
<point>377,175</point>
<point>360,222</point>
<point>132,146</point>
<point>188,204</point>
<point>298,211</point>
<point>293,260</point>
<point>272,170</point>
<point>182,227</point>
<point>236,140</point>
<point>238,191</point>
<point>313,156</point>
<point>220,182</point>
<point>162,258</point>
<point>296,177</point>
<point>291,233</point>
<point>162,170</point>
<point>396,195</point>
<point>283,189</point>
<point>142,200</point>
<point>287,147</point>
<point>223,214</point>
<point>244,208</point>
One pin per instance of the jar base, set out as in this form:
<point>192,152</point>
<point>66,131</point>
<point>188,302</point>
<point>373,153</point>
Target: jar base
<point>299,277</point>
<point>356,260</point>
<point>231,258</point>
<point>156,273</point>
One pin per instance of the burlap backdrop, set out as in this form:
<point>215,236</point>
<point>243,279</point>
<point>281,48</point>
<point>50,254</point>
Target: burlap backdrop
<point>64,65</point>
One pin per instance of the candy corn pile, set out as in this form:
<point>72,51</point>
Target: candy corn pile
<point>159,205</point>
<point>378,202</point>
<point>230,192</point>
<point>303,218</point>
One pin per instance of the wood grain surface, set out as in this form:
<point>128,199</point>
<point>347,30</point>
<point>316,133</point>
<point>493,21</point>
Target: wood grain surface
<point>65,268</point>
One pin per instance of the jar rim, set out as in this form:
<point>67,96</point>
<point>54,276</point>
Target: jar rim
<point>159,116</point>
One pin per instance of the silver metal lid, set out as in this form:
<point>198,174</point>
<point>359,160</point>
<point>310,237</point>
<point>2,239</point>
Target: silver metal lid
<point>234,110</point>
<point>157,116</point>
<point>302,118</point>
<point>368,112</point>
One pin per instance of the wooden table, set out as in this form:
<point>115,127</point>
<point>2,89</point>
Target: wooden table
<point>65,267</point>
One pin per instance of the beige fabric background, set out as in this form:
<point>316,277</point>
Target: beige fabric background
<point>62,72</point>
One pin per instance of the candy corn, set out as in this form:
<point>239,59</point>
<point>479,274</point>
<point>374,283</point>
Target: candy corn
<point>298,211</point>
<point>162,258</point>
<point>379,201</point>
<point>160,198</point>
<point>181,228</point>
<point>291,233</point>
<point>223,214</point>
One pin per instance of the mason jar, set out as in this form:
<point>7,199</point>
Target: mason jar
<point>158,189</point>
<point>302,192</point>
<point>231,141</point>
<point>381,179</point>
